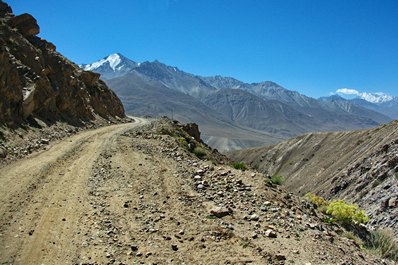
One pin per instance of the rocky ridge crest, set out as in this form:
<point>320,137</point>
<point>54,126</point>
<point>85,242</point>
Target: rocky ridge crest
<point>38,82</point>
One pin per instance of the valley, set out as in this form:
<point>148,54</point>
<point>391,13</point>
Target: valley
<point>204,170</point>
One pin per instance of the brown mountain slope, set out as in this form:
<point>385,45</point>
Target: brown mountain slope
<point>134,194</point>
<point>359,166</point>
<point>37,81</point>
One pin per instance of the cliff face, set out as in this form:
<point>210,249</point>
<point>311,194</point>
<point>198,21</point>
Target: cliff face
<point>37,81</point>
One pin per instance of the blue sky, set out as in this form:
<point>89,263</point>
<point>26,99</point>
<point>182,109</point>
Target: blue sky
<point>311,46</point>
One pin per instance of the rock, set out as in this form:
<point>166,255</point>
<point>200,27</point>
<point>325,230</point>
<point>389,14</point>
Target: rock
<point>193,130</point>
<point>44,141</point>
<point>220,212</point>
<point>392,202</point>
<point>312,226</point>
<point>200,186</point>
<point>3,152</point>
<point>280,257</point>
<point>134,247</point>
<point>25,24</point>
<point>254,217</point>
<point>200,172</point>
<point>197,177</point>
<point>4,9</point>
<point>270,233</point>
<point>36,81</point>
<point>174,247</point>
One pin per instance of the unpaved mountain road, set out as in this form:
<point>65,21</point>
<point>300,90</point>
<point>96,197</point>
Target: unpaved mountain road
<point>134,194</point>
<point>43,197</point>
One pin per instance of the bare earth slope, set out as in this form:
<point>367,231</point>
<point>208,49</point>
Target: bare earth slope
<point>130,193</point>
<point>358,166</point>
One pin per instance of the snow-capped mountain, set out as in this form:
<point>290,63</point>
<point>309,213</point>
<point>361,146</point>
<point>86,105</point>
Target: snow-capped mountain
<point>114,65</point>
<point>376,97</point>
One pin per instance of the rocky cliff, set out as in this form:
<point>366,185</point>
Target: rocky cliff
<point>37,81</point>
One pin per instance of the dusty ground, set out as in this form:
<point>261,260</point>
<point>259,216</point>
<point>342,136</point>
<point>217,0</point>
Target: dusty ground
<point>125,194</point>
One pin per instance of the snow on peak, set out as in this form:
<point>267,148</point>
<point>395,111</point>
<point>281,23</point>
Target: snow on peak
<point>113,60</point>
<point>378,97</point>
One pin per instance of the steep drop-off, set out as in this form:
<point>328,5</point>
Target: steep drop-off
<point>358,166</point>
<point>37,81</point>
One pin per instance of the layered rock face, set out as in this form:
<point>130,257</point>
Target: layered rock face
<point>37,81</point>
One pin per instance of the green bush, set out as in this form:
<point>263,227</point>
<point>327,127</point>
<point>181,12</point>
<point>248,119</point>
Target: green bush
<point>383,242</point>
<point>199,152</point>
<point>277,180</point>
<point>318,201</point>
<point>346,213</point>
<point>183,142</point>
<point>240,165</point>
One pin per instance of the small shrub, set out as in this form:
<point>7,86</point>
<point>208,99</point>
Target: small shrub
<point>319,202</point>
<point>199,152</point>
<point>315,199</point>
<point>383,242</point>
<point>396,175</point>
<point>277,180</point>
<point>240,165</point>
<point>183,142</point>
<point>211,217</point>
<point>352,236</point>
<point>346,213</point>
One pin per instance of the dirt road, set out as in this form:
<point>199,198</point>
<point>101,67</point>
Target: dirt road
<point>134,194</point>
<point>43,198</point>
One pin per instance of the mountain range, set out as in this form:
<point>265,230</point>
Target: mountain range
<point>233,114</point>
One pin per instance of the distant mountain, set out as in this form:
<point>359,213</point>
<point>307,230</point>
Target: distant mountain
<point>142,95</point>
<point>265,108</point>
<point>338,104</point>
<point>116,65</point>
<point>176,79</point>
<point>388,107</point>
<point>221,82</point>
<point>376,97</point>
<point>112,66</point>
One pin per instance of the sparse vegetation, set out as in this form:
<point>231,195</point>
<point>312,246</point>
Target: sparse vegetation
<point>318,201</point>
<point>346,213</point>
<point>383,242</point>
<point>211,217</point>
<point>183,142</point>
<point>396,175</point>
<point>239,165</point>
<point>277,180</point>
<point>199,152</point>
<point>338,210</point>
<point>352,236</point>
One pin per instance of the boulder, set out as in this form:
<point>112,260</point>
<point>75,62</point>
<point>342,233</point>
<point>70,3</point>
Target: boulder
<point>25,24</point>
<point>220,212</point>
<point>193,130</point>
<point>4,9</point>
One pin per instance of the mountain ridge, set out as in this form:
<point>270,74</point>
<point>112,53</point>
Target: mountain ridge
<point>305,113</point>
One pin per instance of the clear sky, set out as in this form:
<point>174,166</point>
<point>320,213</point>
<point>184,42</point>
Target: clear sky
<point>311,46</point>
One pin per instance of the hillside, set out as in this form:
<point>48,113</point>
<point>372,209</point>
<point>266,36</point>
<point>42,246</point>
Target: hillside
<point>358,166</point>
<point>134,193</point>
<point>39,83</point>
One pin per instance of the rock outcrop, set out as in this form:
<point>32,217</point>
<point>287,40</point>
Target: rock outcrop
<point>37,81</point>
